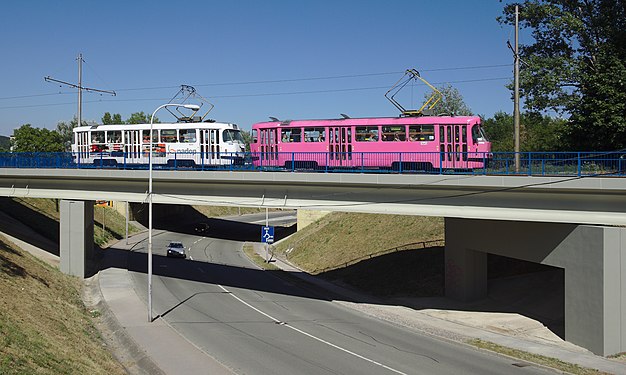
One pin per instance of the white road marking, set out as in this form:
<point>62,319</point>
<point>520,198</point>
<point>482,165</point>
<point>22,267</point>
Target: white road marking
<point>310,335</point>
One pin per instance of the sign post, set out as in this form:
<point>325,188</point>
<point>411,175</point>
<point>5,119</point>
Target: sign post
<point>267,237</point>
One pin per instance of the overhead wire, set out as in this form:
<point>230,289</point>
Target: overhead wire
<point>265,82</point>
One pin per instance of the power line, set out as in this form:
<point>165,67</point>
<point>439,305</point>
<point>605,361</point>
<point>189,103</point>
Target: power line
<point>265,81</point>
<point>35,95</point>
<point>317,78</point>
<point>263,94</point>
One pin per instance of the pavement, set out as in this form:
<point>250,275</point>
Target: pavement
<point>461,322</point>
<point>156,348</point>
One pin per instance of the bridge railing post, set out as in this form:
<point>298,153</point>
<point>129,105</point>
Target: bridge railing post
<point>441,158</point>
<point>579,165</point>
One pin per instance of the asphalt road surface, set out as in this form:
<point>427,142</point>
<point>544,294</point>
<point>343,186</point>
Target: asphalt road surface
<point>266,322</point>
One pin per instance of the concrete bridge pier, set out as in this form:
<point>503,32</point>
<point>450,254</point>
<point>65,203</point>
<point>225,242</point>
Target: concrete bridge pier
<point>76,239</point>
<point>593,258</point>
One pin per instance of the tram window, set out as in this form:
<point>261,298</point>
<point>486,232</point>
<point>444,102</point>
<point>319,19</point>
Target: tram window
<point>422,133</point>
<point>366,134</point>
<point>477,134</point>
<point>394,134</point>
<point>97,137</point>
<point>291,135</point>
<point>145,136</point>
<point>114,136</point>
<point>255,136</point>
<point>187,135</point>
<point>314,134</point>
<point>169,136</point>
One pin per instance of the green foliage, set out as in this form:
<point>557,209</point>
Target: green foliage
<point>140,118</point>
<point>576,65</point>
<point>537,132</point>
<point>5,143</point>
<point>599,121</point>
<point>452,102</point>
<point>29,139</point>
<point>66,131</point>
<point>247,137</point>
<point>107,119</point>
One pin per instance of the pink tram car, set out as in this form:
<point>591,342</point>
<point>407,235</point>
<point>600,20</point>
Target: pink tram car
<point>397,143</point>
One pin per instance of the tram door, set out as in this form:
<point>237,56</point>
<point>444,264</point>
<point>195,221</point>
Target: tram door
<point>210,146</point>
<point>132,146</point>
<point>453,146</point>
<point>340,146</point>
<point>269,147</point>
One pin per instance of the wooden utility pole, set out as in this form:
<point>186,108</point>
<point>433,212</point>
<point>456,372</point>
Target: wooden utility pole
<point>80,88</point>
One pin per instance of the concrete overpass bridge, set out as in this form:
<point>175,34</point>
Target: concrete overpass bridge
<point>577,224</point>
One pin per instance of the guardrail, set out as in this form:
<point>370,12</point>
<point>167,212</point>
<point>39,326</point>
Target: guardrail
<point>496,163</point>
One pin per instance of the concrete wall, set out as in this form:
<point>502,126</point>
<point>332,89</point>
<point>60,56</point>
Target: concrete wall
<point>594,258</point>
<point>76,239</point>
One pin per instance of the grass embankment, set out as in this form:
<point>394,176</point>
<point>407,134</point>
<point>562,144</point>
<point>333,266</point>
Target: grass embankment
<point>218,211</point>
<point>43,216</point>
<point>369,252</point>
<point>44,326</point>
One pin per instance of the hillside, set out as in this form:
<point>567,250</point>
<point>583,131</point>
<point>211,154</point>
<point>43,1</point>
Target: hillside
<point>44,326</point>
<point>371,252</point>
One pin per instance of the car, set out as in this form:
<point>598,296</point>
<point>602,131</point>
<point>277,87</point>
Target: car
<point>176,249</point>
<point>202,228</point>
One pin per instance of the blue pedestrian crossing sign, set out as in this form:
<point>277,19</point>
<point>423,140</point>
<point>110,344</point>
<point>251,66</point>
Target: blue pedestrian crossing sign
<point>267,234</point>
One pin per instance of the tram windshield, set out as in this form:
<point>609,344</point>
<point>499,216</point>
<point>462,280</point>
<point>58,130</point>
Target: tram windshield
<point>230,135</point>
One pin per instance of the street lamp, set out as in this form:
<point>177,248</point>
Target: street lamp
<point>194,107</point>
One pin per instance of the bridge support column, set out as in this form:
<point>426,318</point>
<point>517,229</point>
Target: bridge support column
<point>76,239</point>
<point>593,257</point>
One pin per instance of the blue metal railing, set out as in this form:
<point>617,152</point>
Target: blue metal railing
<point>496,163</point>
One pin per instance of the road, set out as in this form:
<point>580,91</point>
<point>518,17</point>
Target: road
<point>265,322</point>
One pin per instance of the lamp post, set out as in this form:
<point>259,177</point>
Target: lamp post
<point>188,106</point>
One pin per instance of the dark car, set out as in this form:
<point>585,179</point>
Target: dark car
<point>202,228</point>
<point>176,249</point>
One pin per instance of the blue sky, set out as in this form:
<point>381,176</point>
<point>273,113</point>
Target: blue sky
<point>229,50</point>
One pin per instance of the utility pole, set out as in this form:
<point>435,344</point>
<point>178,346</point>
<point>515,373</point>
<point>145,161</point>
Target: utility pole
<point>516,93</point>
<point>80,88</point>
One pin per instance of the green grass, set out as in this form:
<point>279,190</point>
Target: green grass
<point>44,326</point>
<point>384,255</point>
<point>248,249</point>
<point>535,358</point>
<point>43,215</point>
<point>218,211</point>
<point>340,239</point>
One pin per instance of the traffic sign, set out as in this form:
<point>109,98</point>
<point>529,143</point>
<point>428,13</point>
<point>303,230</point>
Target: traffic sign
<point>267,234</point>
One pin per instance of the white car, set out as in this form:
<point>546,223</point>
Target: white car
<point>176,249</point>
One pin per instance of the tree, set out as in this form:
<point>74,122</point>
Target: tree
<point>247,137</point>
<point>66,132</point>
<point>140,118</point>
<point>107,119</point>
<point>29,139</point>
<point>576,66</point>
<point>451,103</point>
<point>537,132</point>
